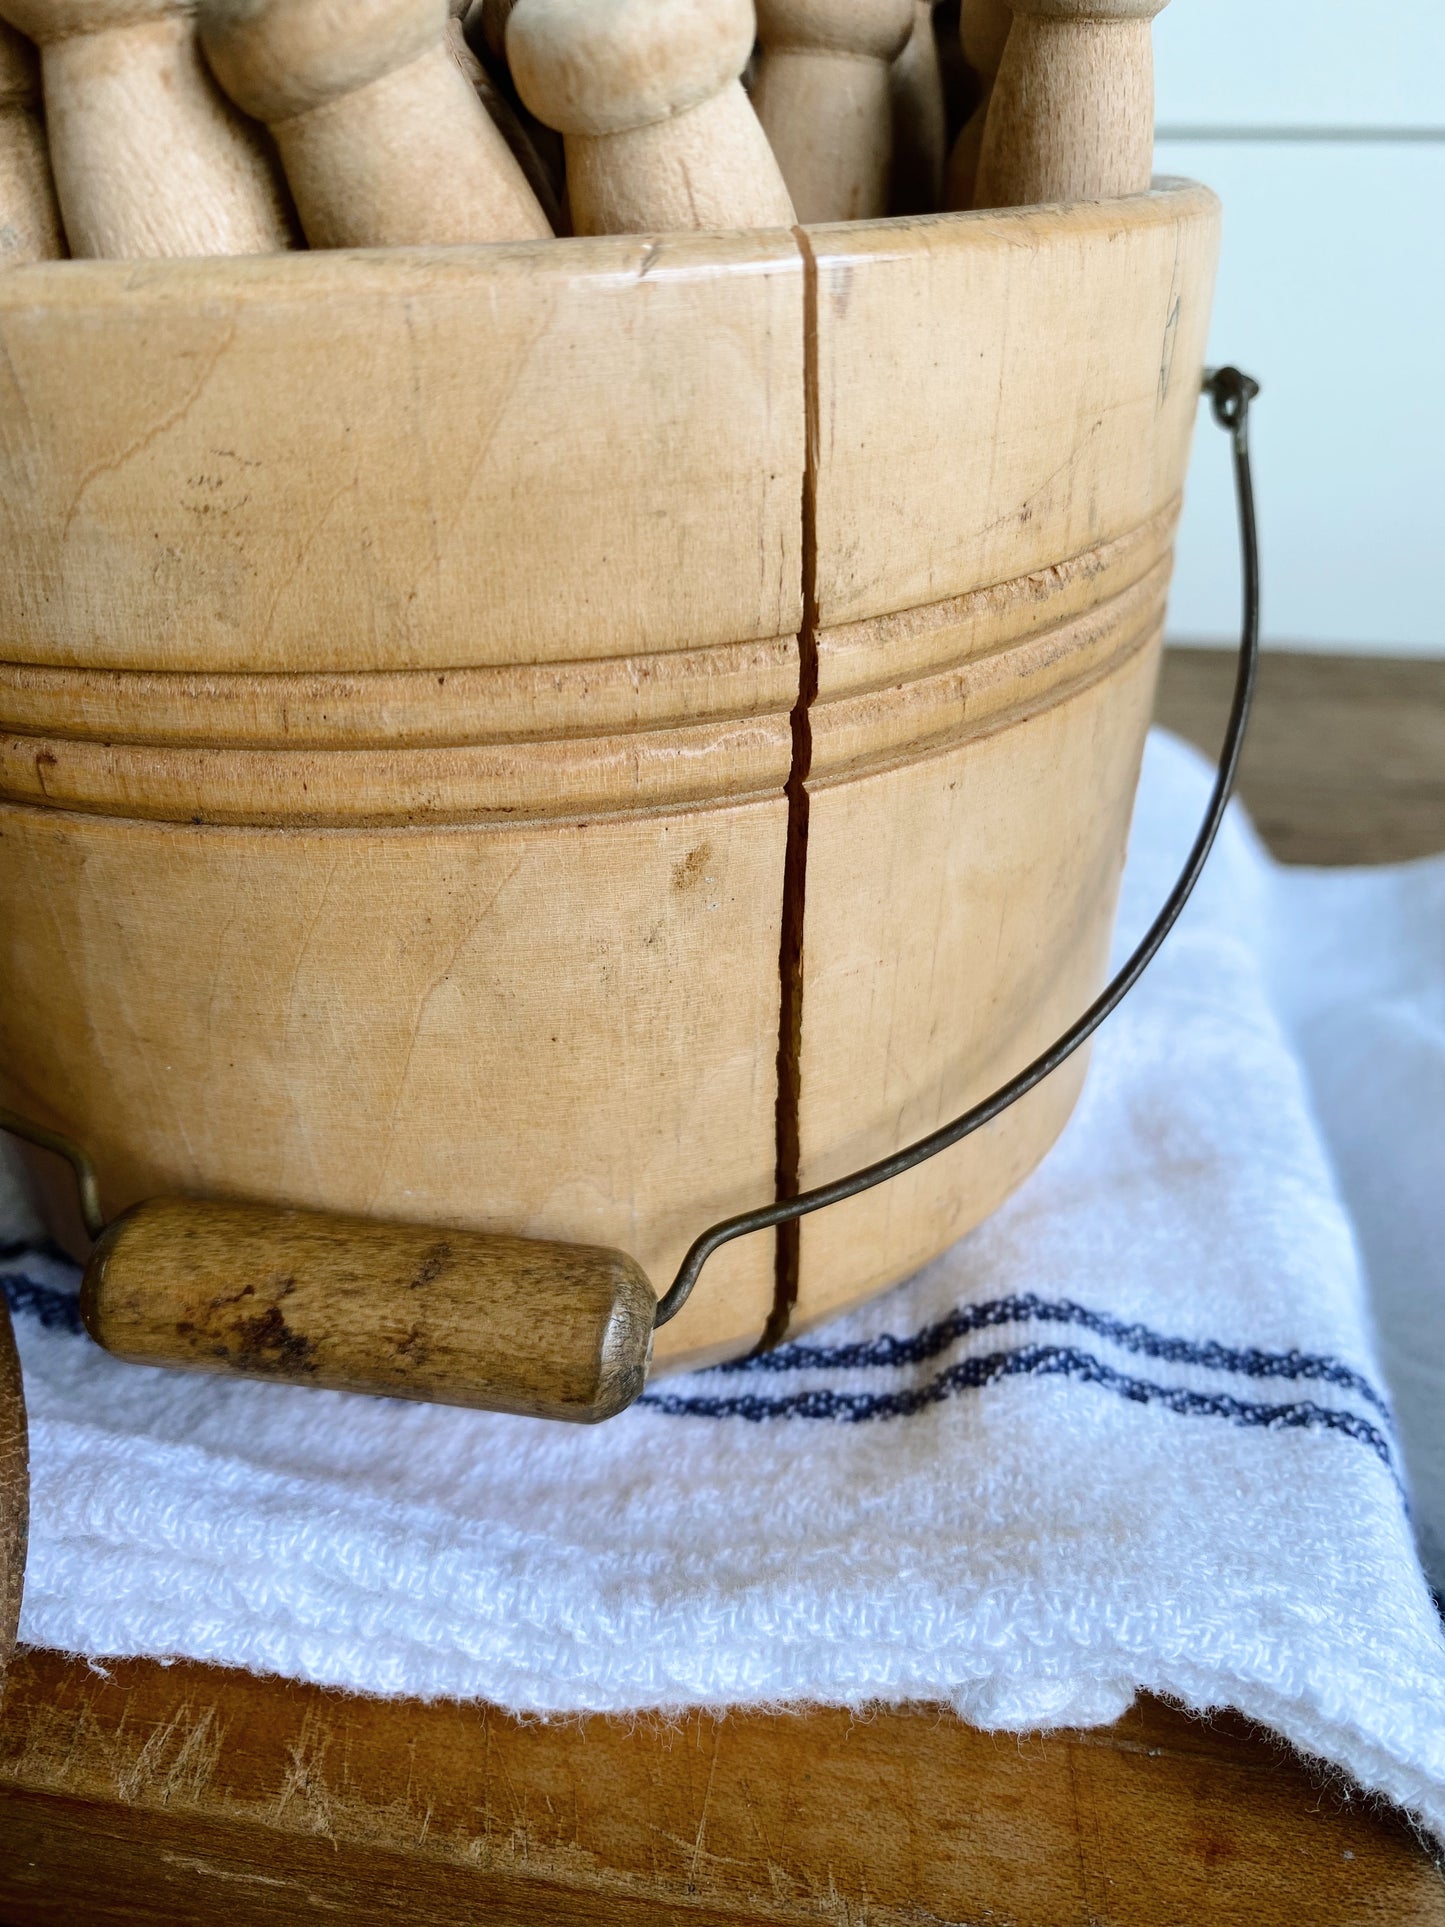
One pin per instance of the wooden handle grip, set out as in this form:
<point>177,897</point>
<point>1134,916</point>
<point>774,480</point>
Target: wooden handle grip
<point>401,1311</point>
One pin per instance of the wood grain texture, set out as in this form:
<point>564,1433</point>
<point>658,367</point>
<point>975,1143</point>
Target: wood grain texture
<point>708,166</point>
<point>559,1331</point>
<point>1073,339</point>
<point>1071,109</point>
<point>149,157</point>
<point>824,95</point>
<point>187,1794</point>
<point>617,475</point>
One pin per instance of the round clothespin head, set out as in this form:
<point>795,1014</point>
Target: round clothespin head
<point>280,58</point>
<point>604,66</point>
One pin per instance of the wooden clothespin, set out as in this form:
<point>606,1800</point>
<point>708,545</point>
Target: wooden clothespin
<point>983,27</point>
<point>645,93</point>
<point>29,218</point>
<point>149,157</point>
<point>383,141</point>
<point>400,1310</point>
<point>823,96</point>
<point>1071,116</point>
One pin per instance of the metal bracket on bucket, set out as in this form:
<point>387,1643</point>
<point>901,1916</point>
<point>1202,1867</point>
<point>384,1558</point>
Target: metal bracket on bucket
<point>510,1324</point>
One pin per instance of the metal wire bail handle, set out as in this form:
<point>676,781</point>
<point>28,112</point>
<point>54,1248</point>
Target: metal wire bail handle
<point>1230,394</point>
<point>87,1185</point>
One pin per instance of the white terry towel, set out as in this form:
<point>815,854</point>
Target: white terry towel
<point>1132,1433</point>
<point>1358,971</point>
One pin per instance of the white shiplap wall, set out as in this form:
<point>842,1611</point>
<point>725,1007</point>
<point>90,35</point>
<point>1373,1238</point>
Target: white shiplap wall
<point>1322,128</point>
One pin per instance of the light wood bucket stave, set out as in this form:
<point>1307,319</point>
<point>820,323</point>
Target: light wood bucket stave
<point>401,654</point>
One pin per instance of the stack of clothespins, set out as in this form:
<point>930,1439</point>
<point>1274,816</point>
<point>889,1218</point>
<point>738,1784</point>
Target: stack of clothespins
<point>152,127</point>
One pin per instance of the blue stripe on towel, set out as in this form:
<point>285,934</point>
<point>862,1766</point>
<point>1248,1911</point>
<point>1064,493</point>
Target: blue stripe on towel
<point>57,1309</point>
<point>887,1350</point>
<point>36,1248</point>
<point>1034,1361</point>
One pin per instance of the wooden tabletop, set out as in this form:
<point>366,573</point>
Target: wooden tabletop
<point>191,1794</point>
<point>146,1793</point>
<point>1345,757</point>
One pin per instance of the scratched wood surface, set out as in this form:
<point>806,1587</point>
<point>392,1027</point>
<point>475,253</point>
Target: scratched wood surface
<point>192,1795</point>
<point>188,1794</point>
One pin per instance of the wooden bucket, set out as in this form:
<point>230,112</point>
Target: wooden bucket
<point>562,738</point>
